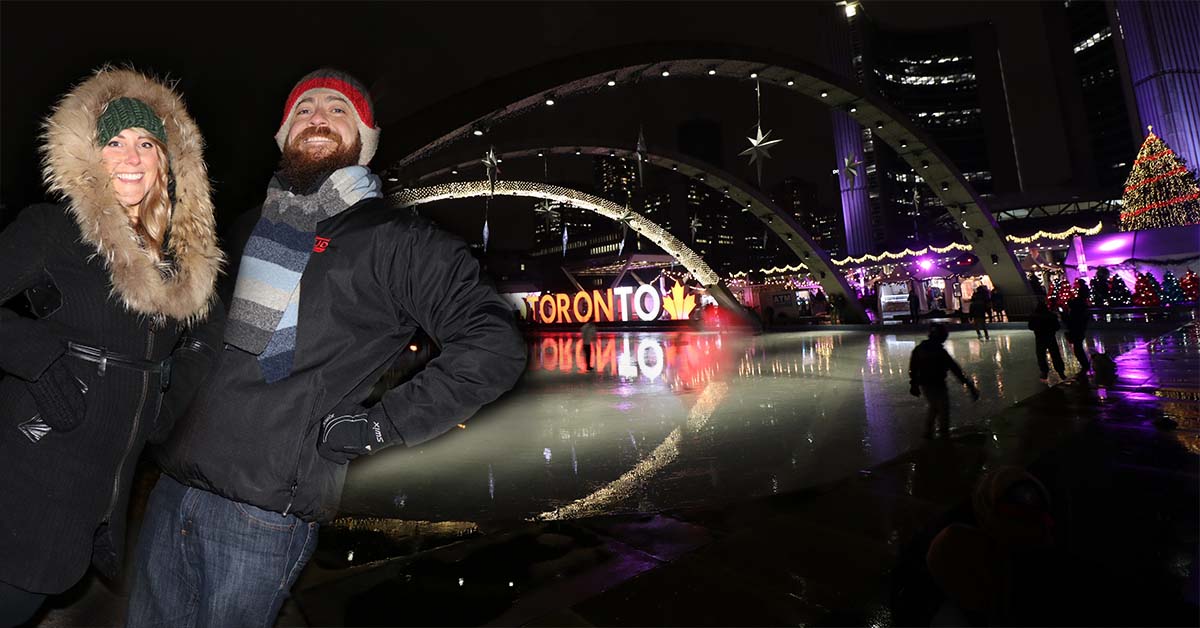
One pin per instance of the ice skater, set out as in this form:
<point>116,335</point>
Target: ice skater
<point>980,302</point>
<point>1077,318</point>
<point>927,373</point>
<point>1045,333</point>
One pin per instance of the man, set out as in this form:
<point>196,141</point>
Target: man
<point>980,302</point>
<point>927,373</point>
<point>1077,318</point>
<point>1044,324</point>
<point>331,284</point>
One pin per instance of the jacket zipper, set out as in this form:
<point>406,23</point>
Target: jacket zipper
<point>300,452</point>
<point>133,433</point>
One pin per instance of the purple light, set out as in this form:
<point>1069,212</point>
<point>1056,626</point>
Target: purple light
<point>1113,244</point>
<point>925,264</point>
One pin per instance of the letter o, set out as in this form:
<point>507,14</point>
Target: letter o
<point>655,309</point>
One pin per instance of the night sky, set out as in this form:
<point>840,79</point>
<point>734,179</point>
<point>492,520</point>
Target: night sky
<point>235,63</point>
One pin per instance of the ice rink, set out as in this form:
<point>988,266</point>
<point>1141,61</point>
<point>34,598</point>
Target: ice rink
<point>678,419</point>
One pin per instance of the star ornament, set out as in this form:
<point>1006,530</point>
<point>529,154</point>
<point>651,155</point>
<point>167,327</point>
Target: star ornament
<point>850,168</point>
<point>493,167</point>
<point>759,146</point>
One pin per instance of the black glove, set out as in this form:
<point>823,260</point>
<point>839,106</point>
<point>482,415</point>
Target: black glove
<point>59,397</point>
<point>914,390</point>
<point>352,430</point>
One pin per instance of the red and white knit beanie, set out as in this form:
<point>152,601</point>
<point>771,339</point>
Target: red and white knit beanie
<point>328,80</point>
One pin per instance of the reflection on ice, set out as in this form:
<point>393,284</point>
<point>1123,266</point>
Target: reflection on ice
<point>677,419</point>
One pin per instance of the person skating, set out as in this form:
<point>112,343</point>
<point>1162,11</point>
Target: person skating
<point>1078,316</point>
<point>119,278</point>
<point>980,302</point>
<point>332,281</point>
<point>1044,325</point>
<point>927,368</point>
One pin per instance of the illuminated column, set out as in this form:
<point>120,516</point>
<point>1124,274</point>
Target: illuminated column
<point>1162,45</point>
<point>847,137</point>
<point>856,208</point>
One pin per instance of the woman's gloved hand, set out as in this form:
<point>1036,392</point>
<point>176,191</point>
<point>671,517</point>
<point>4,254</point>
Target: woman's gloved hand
<point>59,397</point>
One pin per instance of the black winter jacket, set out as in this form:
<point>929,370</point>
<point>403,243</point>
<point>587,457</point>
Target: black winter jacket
<point>64,496</point>
<point>383,274</point>
<point>929,363</point>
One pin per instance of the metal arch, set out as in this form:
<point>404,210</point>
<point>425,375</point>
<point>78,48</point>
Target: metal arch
<point>707,277</point>
<point>593,71</point>
<point>797,239</point>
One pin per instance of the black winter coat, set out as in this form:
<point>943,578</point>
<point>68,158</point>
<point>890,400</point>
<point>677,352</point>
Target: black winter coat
<point>64,496</point>
<point>383,274</point>
<point>67,490</point>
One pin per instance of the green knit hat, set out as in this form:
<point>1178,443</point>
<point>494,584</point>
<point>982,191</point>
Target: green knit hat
<point>128,113</point>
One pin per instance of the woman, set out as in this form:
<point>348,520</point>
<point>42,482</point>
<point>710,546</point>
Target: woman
<point>112,279</point>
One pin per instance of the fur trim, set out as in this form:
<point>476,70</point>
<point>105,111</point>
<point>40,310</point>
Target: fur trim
<point>72,168</point>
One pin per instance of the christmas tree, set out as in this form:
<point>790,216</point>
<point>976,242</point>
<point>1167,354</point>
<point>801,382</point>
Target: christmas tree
<point>1191,285</point>
<point>1063,292</point>
<point>1100,287</point>
<point>1118,292</point>
<point>1172,292</point>
<point>1160,191</point>
<point>1146,291</point>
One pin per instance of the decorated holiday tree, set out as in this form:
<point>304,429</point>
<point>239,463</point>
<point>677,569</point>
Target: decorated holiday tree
<point>1118,292</point>
<point>1160,190</point>
<point>1063,291</point>
<point>1172,292</point>
<point>1147,291</point>
<point>1100,286</point>
<point>1191,285</point>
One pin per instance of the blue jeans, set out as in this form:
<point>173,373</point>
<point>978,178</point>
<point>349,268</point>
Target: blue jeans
<point>203,560</point>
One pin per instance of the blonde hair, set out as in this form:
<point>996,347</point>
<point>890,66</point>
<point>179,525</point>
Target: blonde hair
<point>154,212</point>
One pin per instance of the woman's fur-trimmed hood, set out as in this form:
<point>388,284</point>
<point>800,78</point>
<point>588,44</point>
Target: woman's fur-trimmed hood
<point>72,168</point>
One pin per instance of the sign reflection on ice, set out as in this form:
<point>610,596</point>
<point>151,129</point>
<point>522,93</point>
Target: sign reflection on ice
<point>675,359</point>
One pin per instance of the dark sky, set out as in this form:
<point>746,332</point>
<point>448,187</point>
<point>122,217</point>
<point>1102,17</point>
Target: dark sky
<point>235,63</point>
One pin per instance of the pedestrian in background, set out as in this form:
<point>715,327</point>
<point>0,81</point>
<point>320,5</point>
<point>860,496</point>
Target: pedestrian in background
<point>927,375</point>
<point>588,332</point>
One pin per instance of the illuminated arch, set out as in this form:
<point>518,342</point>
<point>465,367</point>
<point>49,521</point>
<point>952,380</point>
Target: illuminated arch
<point>815,258</point>
<point>528,90</point>
<point>528,189</point>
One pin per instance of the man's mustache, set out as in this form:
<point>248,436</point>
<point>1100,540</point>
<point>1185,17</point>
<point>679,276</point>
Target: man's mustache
<point>317,131</point>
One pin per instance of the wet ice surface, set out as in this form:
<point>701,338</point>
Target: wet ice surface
<point>678,419</point>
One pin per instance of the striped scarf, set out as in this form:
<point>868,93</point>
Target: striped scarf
<point>266,300</point>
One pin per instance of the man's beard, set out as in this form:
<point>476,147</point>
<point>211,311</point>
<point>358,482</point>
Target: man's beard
<point>303,172</point>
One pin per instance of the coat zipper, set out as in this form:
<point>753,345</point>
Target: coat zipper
<point>300,452</point>
<point>133,433</point>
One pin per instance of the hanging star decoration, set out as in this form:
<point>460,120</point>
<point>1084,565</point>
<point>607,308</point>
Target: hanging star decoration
<point>624,219</point>
<point>641,157</point>
<point>850,166</point>
<point>493,167</point>
<point>761,143</point>
<point>545,210</point>
<point>493,172</point>
<point>759,146</point>
<point>564,240</point>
